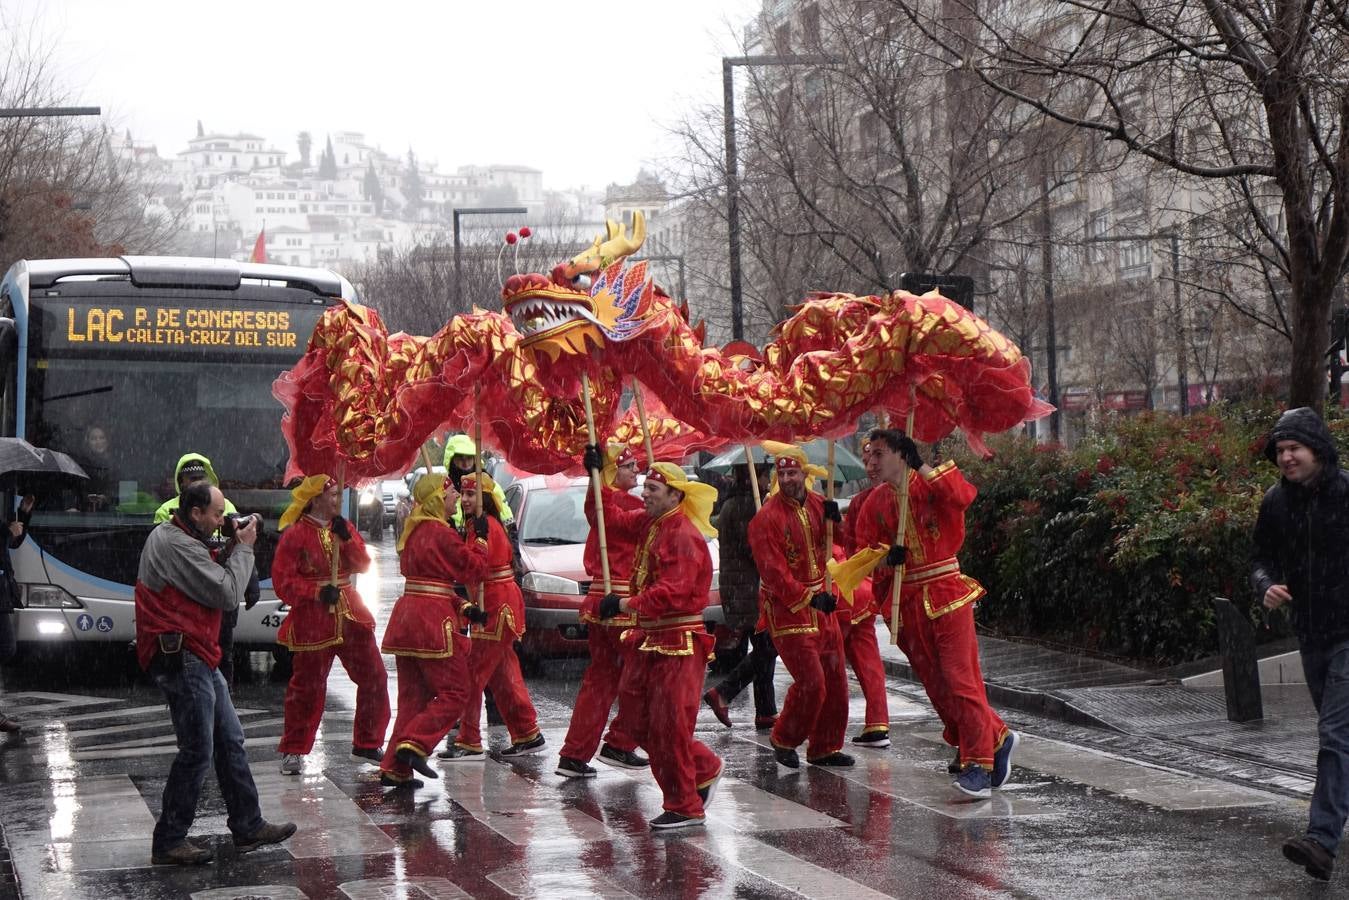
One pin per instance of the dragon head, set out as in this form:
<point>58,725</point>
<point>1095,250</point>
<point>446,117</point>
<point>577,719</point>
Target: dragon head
<point>592,298</point>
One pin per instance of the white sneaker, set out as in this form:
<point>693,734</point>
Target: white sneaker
<point>291,764</point>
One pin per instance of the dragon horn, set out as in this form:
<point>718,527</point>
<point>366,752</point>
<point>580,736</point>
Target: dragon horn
<point>614,245</point>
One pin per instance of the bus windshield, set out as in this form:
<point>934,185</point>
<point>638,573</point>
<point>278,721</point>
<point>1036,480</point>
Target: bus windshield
<point>126,415</point>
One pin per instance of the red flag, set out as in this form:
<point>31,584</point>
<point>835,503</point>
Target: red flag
<point>260,247</point>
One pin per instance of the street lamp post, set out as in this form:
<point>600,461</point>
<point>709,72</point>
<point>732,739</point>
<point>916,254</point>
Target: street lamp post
<point>728,64</point>
<point>473,211</point>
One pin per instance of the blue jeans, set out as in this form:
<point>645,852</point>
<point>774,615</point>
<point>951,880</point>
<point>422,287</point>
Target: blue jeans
<point>208,730</point>
<point>1327,671</point>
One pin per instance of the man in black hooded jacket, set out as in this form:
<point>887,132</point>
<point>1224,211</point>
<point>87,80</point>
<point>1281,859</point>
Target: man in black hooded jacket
<point>1301,560</point>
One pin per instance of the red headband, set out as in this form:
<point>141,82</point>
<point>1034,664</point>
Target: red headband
<point>787,462</point>
<point>657,475</point>
<point>626,456</point>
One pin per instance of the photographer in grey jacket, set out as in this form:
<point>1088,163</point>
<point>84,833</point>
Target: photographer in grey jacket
<point>182,589</point>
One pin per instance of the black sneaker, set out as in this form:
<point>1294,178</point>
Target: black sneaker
<point>668,820</point>
<point>414,760</point>
<point>526,748</point>
<point>624,759</point>
<point>267,834</point>
<point>1002,759</point>
<point>185,854</point>
<point>834,760</point>
<point>787,757</point>
<point>1309,854</point>
<point>574,768</point>
<point>391,781</point>
<point>709,790</point>
<point>973,781</point>
<point>873,739</point>
<point>372,755</point>
<point>456,754</point>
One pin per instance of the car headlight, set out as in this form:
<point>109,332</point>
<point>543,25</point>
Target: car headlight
<point>369,497</point>
<point>543,583</point>
<point>716,581</point>
<point>48,596</point>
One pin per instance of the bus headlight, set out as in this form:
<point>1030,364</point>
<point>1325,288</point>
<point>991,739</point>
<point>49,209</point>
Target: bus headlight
<point>49,627</point>
<point>543,583</point>
<point>48,596</point>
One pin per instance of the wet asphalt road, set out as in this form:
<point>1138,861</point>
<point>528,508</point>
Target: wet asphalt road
<point>79,794</point>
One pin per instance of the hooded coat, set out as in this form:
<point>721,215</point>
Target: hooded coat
<point>1302,535</point>
<point>166,509</point>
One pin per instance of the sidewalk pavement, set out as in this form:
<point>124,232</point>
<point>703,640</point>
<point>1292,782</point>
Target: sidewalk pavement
<point>1082,691</point>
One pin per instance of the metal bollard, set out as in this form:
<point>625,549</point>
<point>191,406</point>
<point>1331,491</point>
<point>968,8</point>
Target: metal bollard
<point>1241,668</point>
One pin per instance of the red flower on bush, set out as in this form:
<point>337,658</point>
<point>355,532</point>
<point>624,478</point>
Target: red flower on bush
<point>1104,465</point>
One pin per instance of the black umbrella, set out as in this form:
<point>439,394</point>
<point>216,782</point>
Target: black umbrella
<point>29,470</point>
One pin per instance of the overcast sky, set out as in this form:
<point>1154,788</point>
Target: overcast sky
<point>583,91</point>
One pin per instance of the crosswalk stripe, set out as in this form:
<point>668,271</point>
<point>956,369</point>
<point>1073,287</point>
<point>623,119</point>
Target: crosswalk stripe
<point>163,721</point>
<point>331,823</point>
<point>780,868</point>
<point>430,886</point>
<point>519,881</point>
<point>518,809</point>
<point>906,780</point>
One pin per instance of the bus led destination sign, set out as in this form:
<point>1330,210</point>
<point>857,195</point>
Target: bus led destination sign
<point>178,326</point>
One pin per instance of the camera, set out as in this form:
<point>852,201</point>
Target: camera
<point>234,521</point>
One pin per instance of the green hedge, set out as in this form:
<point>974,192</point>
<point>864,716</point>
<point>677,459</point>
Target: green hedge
<point>1119,544</point>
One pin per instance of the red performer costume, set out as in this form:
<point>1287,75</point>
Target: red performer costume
<point>492,662</point>
<point>786,538</point>
<point>671,575</point>
<point>937,605</point>
<point>858,625</point>
<point>608,654</point>
<point>326,621</point>
<point>425,630</point>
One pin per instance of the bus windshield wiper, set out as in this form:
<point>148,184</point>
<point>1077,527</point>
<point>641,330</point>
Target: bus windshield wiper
<point>551,540</point>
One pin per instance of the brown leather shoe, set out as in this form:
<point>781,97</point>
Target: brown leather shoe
<point>718,705</point>
<point>1309,854</point>
<point>267,834</point>
<point>185,854</point>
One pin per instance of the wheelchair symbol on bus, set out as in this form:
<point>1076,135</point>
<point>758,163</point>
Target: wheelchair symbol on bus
<point>104,624</point>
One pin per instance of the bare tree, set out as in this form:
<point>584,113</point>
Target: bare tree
<point>1239,95</point>
<point>69,187</point>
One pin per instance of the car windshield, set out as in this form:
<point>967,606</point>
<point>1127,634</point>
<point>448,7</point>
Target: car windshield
<point>555,516</point>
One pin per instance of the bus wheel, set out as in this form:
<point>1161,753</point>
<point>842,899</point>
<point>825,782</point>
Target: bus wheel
<point>281,663</point>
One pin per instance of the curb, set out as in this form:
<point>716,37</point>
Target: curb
<point>1040,703</point>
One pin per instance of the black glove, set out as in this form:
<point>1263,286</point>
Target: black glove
<point>896,556</point>
<point>593,459</point>
<point>610,606</point>
<point>330,594</point>
<point>824,602</point>
<point>475,614</point>
<point>480,526</point>
<point>341,528</point>
<point>831,511</point>
<point>909,450</point>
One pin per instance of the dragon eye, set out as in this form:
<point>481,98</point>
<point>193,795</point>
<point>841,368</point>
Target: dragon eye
<point>582,281</point>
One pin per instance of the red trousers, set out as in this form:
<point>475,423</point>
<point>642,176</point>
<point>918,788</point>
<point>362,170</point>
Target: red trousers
<point>494,664</point>
<point>308,688</point>
<point>430,698</point>
<point>663,693</point>
<point>945,656</point>
<point>864,655</point>
<point>816,707</point>
<point>609,657</point>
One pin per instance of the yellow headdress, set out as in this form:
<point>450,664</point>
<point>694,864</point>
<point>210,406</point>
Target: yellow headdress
<point>428,496</point>
<point>301,497</point>
<point>698,497</point>
<point>790,456</point>
<point>616,455</point>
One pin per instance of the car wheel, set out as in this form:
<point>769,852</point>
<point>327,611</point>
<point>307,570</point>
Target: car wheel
<point>530,664</point>
<point>281,663</point>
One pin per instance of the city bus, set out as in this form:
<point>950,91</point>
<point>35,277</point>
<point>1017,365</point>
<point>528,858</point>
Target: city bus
<point>126,364</point>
